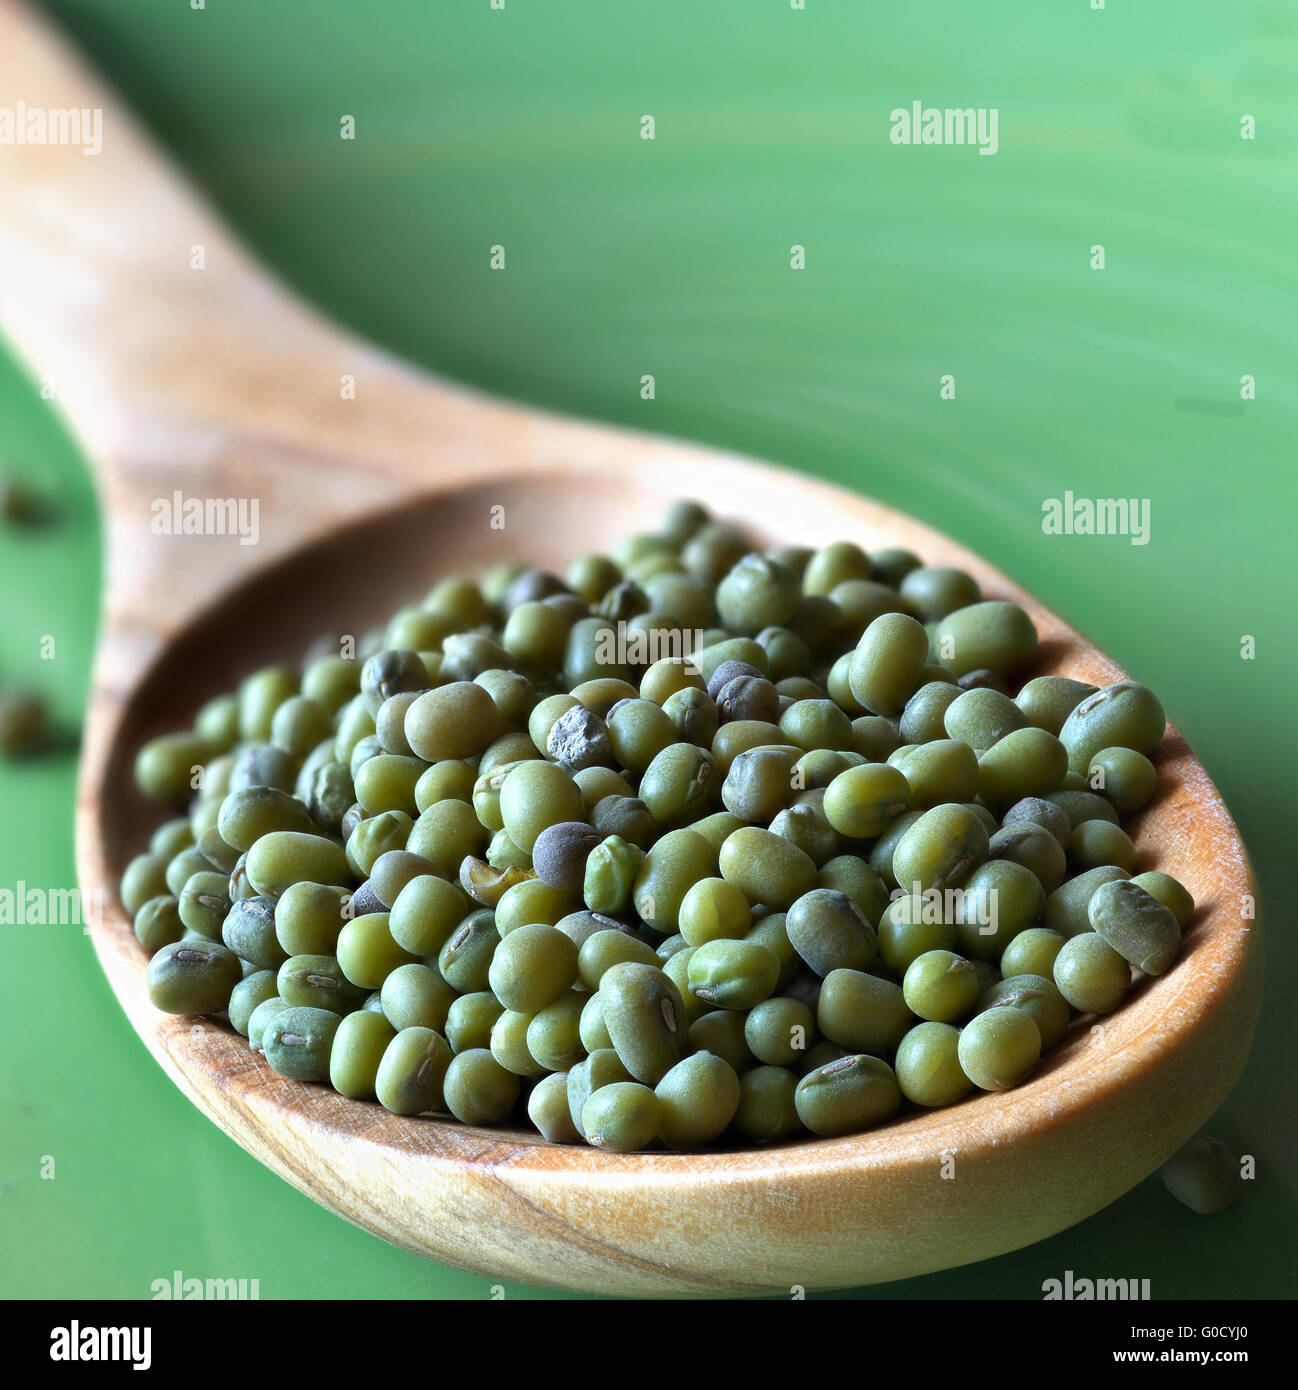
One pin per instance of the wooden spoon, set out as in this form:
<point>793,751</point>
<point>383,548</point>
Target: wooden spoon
<point>214,382</point>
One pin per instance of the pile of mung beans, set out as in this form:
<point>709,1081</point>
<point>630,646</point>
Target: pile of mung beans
<point>695,844</point>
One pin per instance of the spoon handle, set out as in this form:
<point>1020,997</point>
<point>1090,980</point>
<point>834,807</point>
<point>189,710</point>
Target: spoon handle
<point>189,375</point>
<point>199,386</point>
<point>164,343</point>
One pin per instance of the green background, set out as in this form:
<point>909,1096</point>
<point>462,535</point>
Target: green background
<point>1118,127</point>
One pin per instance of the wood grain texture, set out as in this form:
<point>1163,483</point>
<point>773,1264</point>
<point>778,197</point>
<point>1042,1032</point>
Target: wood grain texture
<point>227,387</point>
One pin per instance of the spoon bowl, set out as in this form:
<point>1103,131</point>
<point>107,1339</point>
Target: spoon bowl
<point>1106,1106</point>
